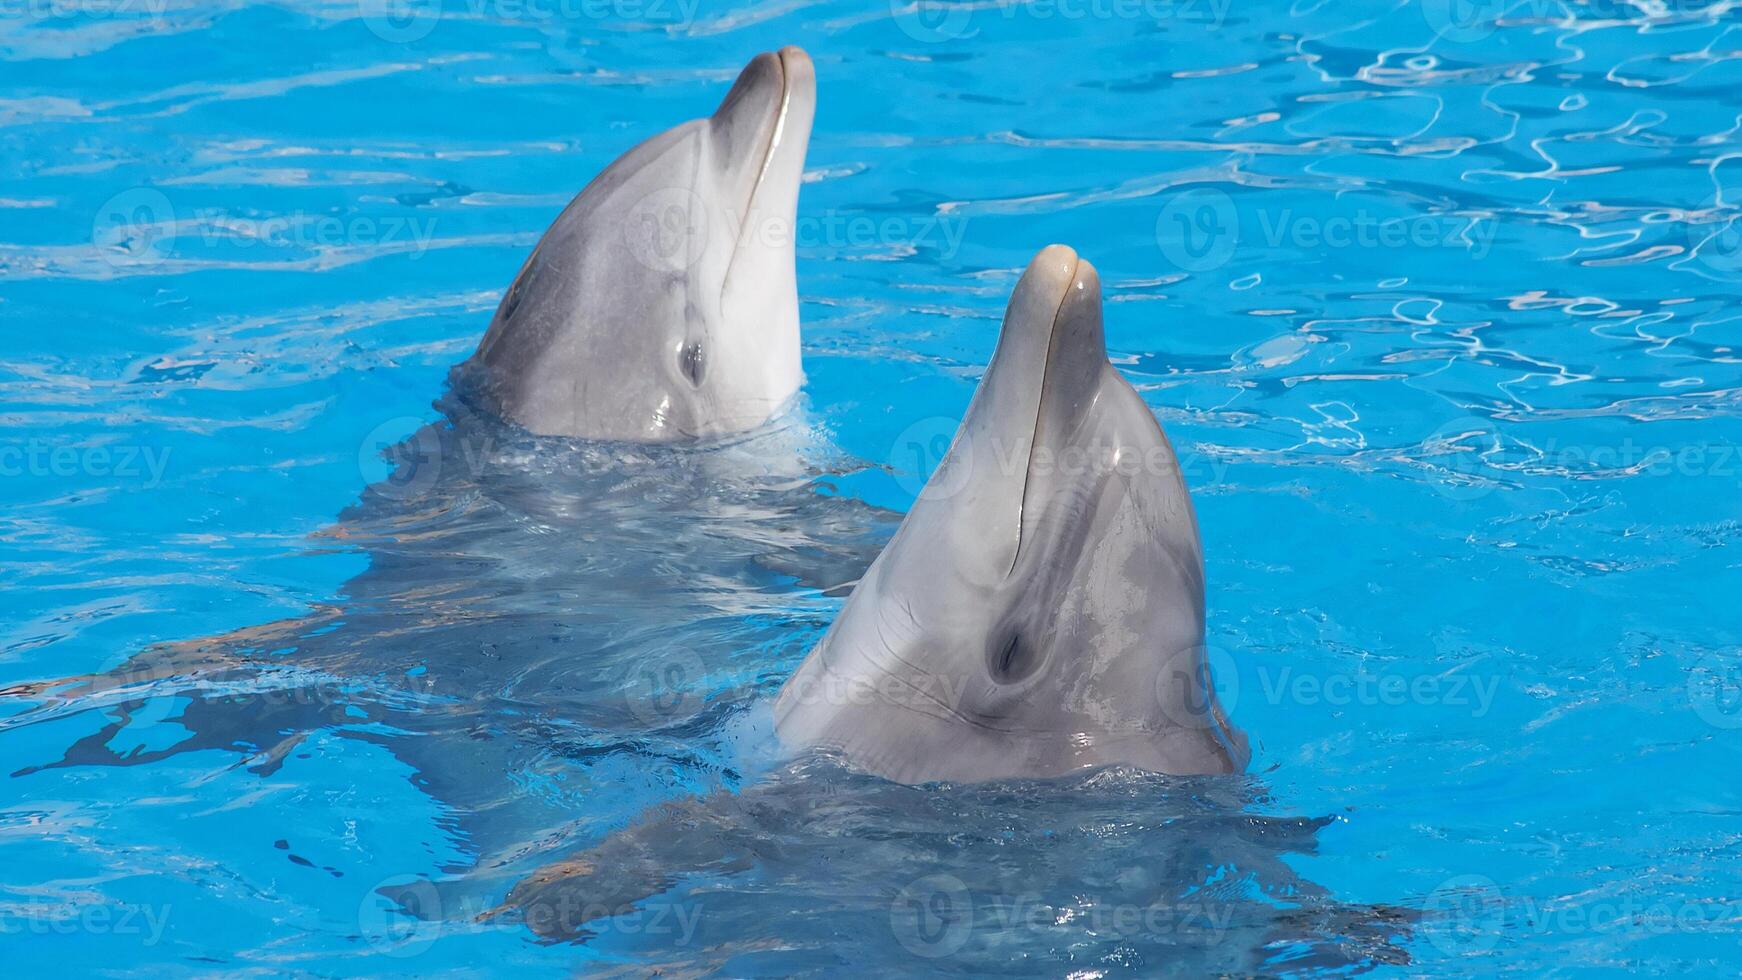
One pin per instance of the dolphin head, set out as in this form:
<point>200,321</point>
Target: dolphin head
<point>1041,608</point>
<point>662,302</point>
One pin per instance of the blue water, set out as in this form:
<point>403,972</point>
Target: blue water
<point>1438,302</point>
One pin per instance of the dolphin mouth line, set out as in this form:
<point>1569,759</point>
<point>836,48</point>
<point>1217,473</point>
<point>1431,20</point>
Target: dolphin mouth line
<point>779,126</point>
<point>774,142</point>
<point>1039,410</point>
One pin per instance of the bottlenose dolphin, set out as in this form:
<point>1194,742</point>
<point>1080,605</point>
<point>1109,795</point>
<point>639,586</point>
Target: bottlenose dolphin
<point>1041,608</point>
<point>1039,611</point>
<point>529,603</point>
<point>662,303</point>
<point>1029,645</point>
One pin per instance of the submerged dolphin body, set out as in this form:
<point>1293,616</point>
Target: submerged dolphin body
<point>662,302</point>
<point>1041,608</point>
<point>527,606</point>
<point>814,869</point>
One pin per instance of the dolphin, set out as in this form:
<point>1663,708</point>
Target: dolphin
<point>662,303</point>
<point>1041,608</point>
<point>1030,642</point>
<point>658,309</point>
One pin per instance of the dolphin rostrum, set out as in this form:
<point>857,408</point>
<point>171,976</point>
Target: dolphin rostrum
<point>1041,608</point>
<point>662,302</point>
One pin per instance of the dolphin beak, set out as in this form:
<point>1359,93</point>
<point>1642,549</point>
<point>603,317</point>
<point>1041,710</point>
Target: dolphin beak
<point>762,127</point>
<point>1075,360</point>
<point>1047,368</point>
<point>1076,354</point>
<point>1052,348</point>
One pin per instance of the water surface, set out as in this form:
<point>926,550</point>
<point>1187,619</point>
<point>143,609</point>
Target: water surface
<point>1437,302</point>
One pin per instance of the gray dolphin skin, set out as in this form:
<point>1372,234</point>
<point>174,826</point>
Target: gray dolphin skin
<point>662,303</point>
<point>1041,608</point>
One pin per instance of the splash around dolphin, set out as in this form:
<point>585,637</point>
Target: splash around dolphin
<point>1041,608</point>
<point>662,303</point>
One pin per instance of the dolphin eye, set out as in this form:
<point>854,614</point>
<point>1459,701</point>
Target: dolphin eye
<point>690,362</point>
